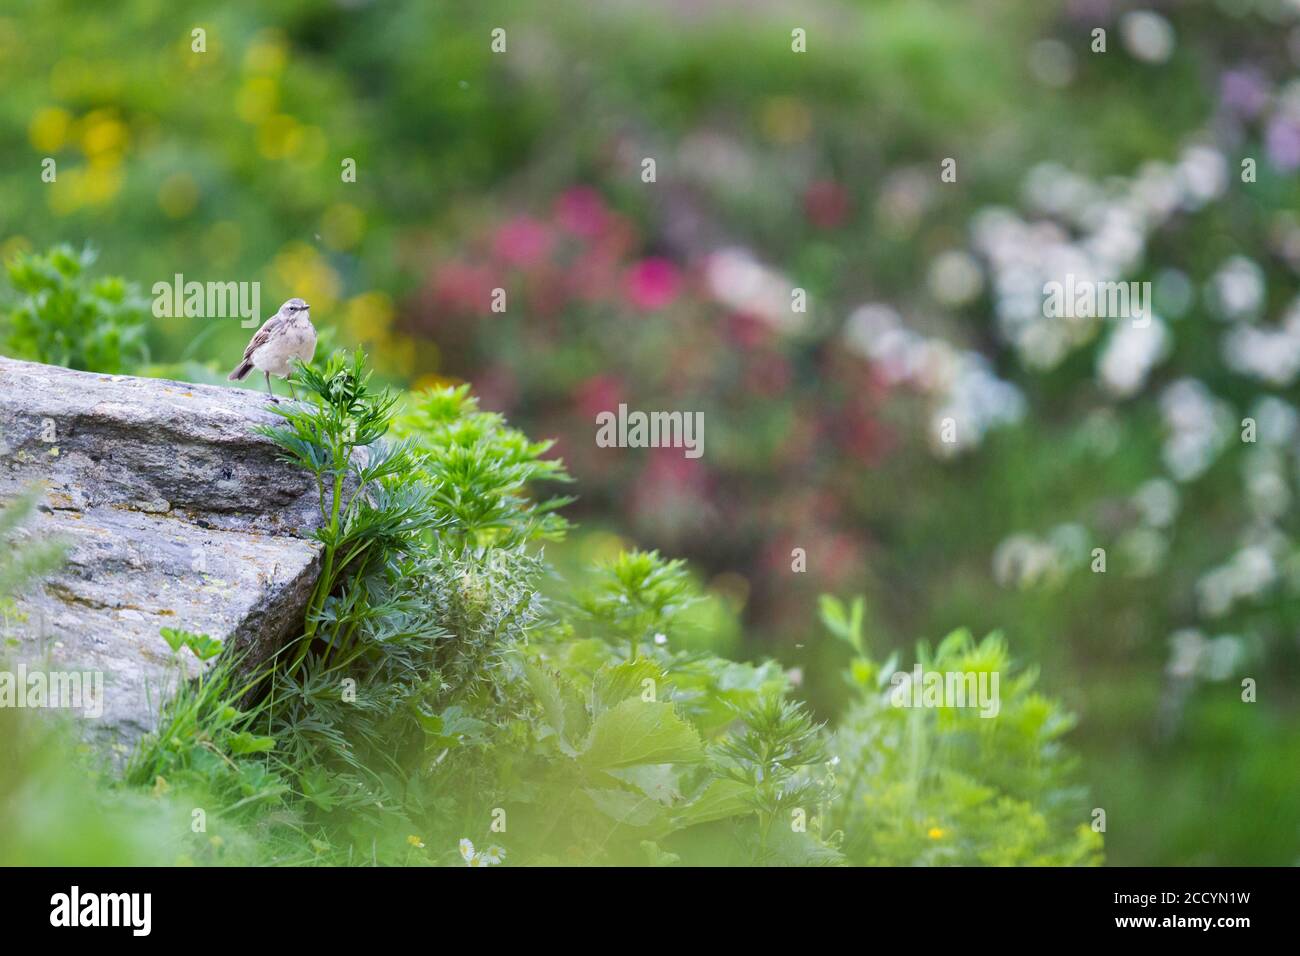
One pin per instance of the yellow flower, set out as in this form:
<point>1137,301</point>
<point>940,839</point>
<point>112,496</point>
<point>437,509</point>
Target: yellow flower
<point>279,136</point>
<point>102,134</point>
<point>257,99</point>
<point>935,833</point>
<point>369,316</point>
<point>49,129</point>
<point>415,841</point>
<point>267,53</point>
<point>301,268</point>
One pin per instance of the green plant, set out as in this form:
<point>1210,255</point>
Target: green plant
<point>479,471</point>
<point>426,581</point>
<point>778,753</point>
<point>373,511</point>
<point>439,700</point>
<point>62,317</point>
<point>943,785</point>
<point>636,595</point>
<point>202,736</point>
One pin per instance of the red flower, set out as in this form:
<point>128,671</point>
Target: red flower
<point>826,204</point>
<point>748,331</point>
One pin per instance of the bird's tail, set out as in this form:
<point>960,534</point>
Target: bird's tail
<point>239,373</point>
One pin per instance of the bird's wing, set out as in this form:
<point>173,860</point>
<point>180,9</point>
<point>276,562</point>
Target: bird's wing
<point>263,334</point>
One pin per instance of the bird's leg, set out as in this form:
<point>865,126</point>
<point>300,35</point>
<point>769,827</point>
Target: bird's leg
<point>289,381</point>
<point>268,387</point>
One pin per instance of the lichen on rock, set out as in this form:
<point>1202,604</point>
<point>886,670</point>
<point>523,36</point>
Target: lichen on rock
<point>176,514</point>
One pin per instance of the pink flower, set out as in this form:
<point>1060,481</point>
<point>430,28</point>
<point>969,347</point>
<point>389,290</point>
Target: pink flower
<point>670,493</point>
<point>652,284</point>
<point>547,292</point>
<point>582,211</point>
<point>747,331</point>
<point>593,275</point>
<point>460,286</point>
<point>497,388</point>
<point>522,242</point>
<point>600,393</point>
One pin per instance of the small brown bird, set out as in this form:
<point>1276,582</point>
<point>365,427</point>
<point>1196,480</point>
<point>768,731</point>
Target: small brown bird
<point>285,336</point>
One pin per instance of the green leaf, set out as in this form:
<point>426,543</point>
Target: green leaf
<point>625,807</point>
<point>175,639</point>
<point>846,623</point>
<point>245,743</point>
<point>615,683</point>
<point>658,857</point>
<point>787,847</point>
<point>636,732</point>
<point>449,729</point>
<point>201,645</point>
<point>722,798</point>
<point>550,694</point>
<point>659,781</point>
<point>204,647</point>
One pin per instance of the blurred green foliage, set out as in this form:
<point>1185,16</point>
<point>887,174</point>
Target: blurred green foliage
<point>478,171</point>
<point>62,318</point>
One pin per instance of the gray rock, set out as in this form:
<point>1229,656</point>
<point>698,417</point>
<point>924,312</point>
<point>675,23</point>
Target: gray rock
<point>177,515</point>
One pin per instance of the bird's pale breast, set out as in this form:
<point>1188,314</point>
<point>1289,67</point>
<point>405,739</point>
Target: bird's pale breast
<point>297,341</point>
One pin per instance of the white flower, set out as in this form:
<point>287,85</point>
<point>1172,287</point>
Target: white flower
<point>955,278</point>
<point>1147,35</point>
<point>1130,354</point>
<point>489,857</point>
